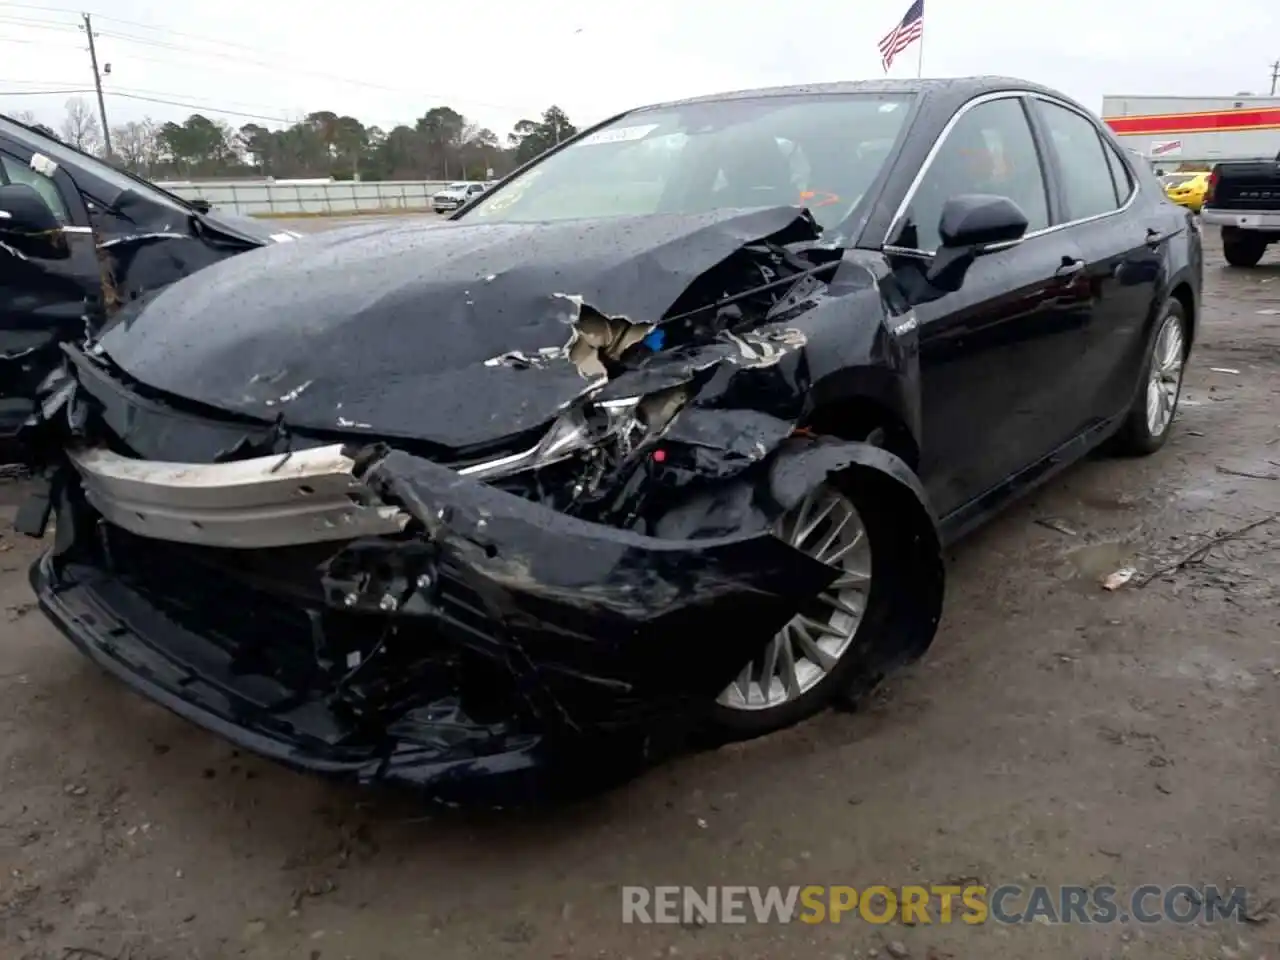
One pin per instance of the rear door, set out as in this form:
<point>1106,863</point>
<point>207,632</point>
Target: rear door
<point>1122,236</point>
<point>998,356</point>
<point>42,296</point>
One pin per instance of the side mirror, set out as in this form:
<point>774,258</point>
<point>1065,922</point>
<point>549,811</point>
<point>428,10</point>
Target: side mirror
<point>23,211</point>
<point>201,205</point>
<point>971,225</point>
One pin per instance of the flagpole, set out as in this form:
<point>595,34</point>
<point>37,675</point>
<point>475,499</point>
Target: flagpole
<point>920,56</point>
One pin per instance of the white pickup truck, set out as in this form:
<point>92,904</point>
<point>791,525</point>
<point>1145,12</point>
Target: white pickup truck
<point>456,194</point>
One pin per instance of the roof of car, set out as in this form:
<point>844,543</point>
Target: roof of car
<point>962,87</point>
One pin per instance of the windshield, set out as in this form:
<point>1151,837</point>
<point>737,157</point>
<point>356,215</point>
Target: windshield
<point>822,152</point>
<point>458,186</point>
<point>1178,179</point>
<point>73,159</point>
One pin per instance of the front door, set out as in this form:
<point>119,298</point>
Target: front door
<point>999,357</point>
<point>43,285</point>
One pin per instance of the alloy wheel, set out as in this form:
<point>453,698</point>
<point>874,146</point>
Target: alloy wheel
<point>1165,378</point>
<point>827,527</point>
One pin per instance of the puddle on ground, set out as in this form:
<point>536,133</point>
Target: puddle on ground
<point>1110,501</point>
<point>1093,561</point>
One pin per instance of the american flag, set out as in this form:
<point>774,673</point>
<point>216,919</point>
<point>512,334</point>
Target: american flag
<point>903,35</point>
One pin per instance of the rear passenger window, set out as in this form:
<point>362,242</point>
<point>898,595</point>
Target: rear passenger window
<point>1082,162</point>
<point>1119,173</point>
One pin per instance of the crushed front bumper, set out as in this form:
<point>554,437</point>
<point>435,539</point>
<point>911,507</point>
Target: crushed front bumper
<point>473,644</point>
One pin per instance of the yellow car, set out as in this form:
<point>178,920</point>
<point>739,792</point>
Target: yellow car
<point>1187,189</point>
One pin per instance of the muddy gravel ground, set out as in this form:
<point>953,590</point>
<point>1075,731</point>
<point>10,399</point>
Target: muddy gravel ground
<point>1056,733</point>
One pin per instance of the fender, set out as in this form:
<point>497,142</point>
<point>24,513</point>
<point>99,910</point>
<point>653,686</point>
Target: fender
<point>870,351</point>
<point>909,580</point>
<point>886,387</point>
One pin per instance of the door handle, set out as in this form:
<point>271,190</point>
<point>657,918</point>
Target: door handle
<point>1070,267</point>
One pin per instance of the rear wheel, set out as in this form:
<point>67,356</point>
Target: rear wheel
<point>1146,428</point>
<point>1242,248</point>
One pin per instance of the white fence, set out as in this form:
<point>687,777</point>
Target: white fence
<point>284,199</point>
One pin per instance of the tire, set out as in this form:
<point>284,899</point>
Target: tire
<point>889,551</point>
<point>1243,249</point>
<point>1144,432</point>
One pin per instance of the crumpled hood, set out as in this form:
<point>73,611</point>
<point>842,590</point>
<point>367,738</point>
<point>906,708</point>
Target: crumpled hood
<point>386,328</point>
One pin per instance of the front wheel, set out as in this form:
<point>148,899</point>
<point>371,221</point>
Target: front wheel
<point>1146,428</point>
<point>807,660</point>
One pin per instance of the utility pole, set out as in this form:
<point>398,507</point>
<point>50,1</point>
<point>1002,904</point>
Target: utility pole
<point>97,85</point>
<point>1275,75</point>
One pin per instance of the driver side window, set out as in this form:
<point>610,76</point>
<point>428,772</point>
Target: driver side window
<point>989,150</point>
<point>13,171</point>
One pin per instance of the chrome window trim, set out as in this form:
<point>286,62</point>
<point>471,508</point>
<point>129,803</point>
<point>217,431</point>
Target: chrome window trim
<point>932,155</point>
<point>1124,163</point>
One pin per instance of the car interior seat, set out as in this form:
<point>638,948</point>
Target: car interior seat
<point>756,173</point>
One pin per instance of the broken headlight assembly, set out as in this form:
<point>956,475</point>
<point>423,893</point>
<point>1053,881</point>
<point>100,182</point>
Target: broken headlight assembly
<point>54,391</point>
<point>624,424</point>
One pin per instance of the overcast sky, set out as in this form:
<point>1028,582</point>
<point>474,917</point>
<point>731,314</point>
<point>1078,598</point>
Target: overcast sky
<point>388,61</point>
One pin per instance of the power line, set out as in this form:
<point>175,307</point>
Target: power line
<point>139,25</point>
<point>42,43</point>
<point>39,83</point>
<point>39,24</point>
<point>169,93</point>
<point>133,93</point>
<point>271,65</point>
<point>42,93</point>
<point>197,106</point>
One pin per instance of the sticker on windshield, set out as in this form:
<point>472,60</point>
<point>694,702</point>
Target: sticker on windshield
<point>619,134</point>
<point>43,165</point>
<point>888,107</point>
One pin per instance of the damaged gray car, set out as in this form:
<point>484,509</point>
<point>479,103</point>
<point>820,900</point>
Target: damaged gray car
<point>659,441</point>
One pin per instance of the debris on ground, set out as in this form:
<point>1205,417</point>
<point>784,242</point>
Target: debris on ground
<point>1200,552</point>
<point>1055,523</point>
<point>1246,473</point>
<point>1116,580</point>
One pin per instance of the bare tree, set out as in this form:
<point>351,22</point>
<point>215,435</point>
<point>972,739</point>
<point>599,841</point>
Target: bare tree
<point>80,128</point>
<point>25,116</point>
<point>134,144</point>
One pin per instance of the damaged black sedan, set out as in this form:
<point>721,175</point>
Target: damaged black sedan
<point>79,237</point>
<point>664,434</point>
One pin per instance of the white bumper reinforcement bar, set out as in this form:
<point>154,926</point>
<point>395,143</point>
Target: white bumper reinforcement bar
<point>281,500</point>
